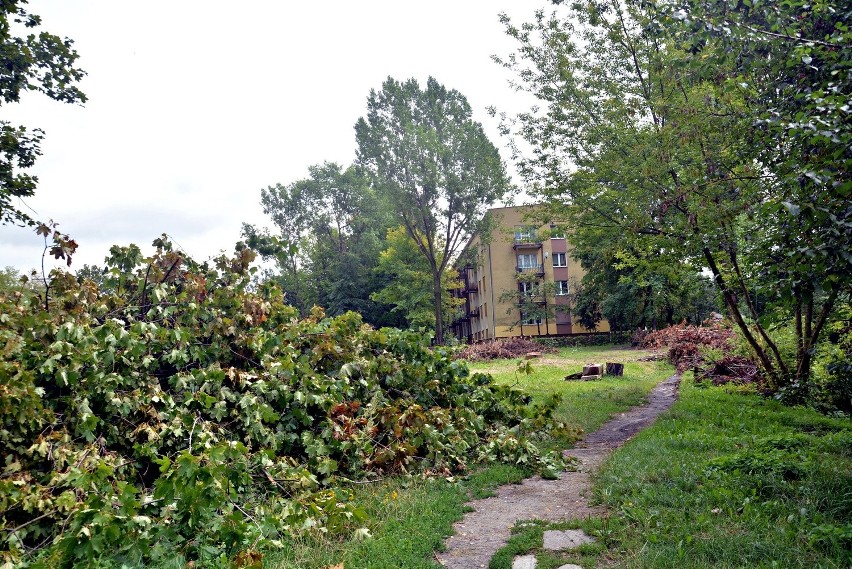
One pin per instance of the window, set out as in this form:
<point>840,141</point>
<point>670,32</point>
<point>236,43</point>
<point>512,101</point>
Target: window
<point>527,261</point>
<point>527,288</point>
<point>559,260</point>
<point>561,288</point>
<point>525,233</point>
<point>530,319</point>
<point>557,232</point>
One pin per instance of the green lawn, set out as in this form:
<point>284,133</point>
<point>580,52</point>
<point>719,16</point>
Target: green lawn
<point>586,405</point>
<point>725,479</point>
<point>410,517</point>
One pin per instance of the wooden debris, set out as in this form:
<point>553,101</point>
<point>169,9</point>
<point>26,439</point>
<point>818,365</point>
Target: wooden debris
<point>614,369</point>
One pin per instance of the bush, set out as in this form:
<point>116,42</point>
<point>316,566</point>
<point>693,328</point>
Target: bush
<point>171,410</point>
<point>833,365</point>
<point>596,339</point>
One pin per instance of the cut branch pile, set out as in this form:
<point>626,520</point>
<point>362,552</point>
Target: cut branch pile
<point>502,348</point>
<point>693,347</point>
<point>730,369</point>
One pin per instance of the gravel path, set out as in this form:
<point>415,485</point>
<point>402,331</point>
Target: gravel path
<point>478,536</point>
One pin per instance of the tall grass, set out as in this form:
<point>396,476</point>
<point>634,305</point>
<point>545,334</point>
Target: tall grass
<point>725,479</point>
<point>729,479</point>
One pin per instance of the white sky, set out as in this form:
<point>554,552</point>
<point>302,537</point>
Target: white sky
<point>195,106</point>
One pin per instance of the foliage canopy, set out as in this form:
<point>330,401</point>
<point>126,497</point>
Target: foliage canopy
<point>42,63</point>
<point>703,134</point>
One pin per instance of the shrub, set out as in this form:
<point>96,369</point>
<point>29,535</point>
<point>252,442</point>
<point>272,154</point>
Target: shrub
<point>173,410</point>
<point>596,339</point>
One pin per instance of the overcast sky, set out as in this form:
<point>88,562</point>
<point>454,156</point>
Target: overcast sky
<point>195,106</point>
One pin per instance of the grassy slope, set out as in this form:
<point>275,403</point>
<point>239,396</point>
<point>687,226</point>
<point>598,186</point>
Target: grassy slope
<point>779,493</point>
<point>409,518</point>
<point>726,479</point>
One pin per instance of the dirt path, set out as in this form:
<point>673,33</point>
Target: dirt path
<point>478,536</point>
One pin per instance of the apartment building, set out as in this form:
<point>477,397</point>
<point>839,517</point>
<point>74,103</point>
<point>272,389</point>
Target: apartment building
<point>517,282</point>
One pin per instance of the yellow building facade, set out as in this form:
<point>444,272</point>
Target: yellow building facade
<point>517,281</point>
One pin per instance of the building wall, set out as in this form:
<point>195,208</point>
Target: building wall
<point>495,272</point>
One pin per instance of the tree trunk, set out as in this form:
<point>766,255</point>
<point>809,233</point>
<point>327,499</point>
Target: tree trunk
<point>737,317</point>
<point>547,318</point>
<point>439,312</point>
<point>812,332</point>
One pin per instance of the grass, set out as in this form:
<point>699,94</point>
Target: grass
<point>586,405</point>
<point>409,518</point>
<point>725,479</point>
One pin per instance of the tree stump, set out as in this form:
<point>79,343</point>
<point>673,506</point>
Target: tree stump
<point>614,369</point>
<point>592,371</point>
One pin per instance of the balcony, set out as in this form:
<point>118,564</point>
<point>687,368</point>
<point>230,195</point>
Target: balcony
<point>474,313</point>
<point>531,270</point>
<point>470,289</point>
<point>526,243</point>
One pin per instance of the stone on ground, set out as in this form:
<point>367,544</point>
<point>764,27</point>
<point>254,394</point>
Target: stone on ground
<point>524,562</point>
<point>556,540</point>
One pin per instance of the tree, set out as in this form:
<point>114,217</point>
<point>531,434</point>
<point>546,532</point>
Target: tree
<point>408,278</point>
<point>638,293</point>
<point>290,209</point>
<point>330,232</point>
<point>436,167</point>
<point>647,138</point>
<point>794,60</point>
<point>42,63</point>
<point>531,301</point>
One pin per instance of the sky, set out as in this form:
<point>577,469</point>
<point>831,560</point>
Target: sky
<point>194,107</point>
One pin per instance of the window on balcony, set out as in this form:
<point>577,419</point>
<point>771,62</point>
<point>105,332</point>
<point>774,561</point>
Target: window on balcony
<point>527,261</point>
<point>559,260</point>
<point>561,288</point>
<point>527,288</point>
<point>525,233</point>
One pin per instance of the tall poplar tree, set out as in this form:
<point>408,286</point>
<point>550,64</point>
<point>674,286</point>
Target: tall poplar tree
<point>436,167</point>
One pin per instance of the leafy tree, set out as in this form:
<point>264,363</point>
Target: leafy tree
<point>647,140</point>
<point>639,293</point>
<point>794,61</point>
<point>290,209</point>
<point>531,301</point>
<point>409,281</point>
<point>93,273</point>
<point>346,236</point>
<point>330,228</point>
<point>435,166</point>
<point>42,63</point>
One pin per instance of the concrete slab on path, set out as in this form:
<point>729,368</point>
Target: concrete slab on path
<point>559,540</point>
